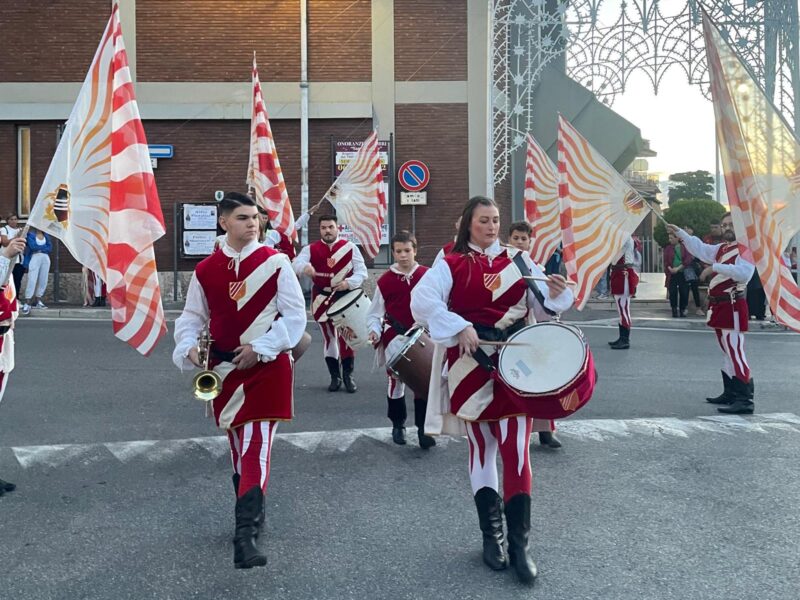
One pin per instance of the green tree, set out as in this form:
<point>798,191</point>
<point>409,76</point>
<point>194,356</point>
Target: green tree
<point>694,185</point>
<point>697,214</point>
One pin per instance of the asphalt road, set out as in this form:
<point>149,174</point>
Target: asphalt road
<point>124,487</point>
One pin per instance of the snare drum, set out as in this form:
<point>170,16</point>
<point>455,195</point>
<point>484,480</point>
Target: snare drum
<point>350,311</point>
<point>409,358</point>
<point>552,369</point>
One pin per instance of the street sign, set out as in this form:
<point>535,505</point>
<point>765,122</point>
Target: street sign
<point>413,198</point>
<point>160,150</point>
<point>414,175</point>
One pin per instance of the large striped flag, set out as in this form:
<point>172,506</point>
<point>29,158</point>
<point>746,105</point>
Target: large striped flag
<point>599,210</point>
<point>99,196</point>
<point>761,162</point>
<point>264,173</point>
<point>358,195</point>
<point>542,208</point>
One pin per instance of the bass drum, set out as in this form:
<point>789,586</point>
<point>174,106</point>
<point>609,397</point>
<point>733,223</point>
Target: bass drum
<point>550,366</point>
<point>349,312</point>
<point>409,358</point>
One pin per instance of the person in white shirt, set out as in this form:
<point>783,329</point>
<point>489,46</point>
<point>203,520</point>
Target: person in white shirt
<point>7,233</point>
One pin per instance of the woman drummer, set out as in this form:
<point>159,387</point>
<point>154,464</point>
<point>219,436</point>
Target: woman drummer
<point>477,293</point>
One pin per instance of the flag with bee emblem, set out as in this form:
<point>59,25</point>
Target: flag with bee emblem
<point>99,196</point>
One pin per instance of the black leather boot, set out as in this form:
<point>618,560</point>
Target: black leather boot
<point>348,364</point>
<point>490,519</point>
<point>725,396</point>
<point>420,407</point>
<point>336,376</point>
<point>518,519</point>
<point>619,337</point>
<point>742,398</point>
<point>6,486</point>
<point>261,515</point>
<point>547,438</point>
<point>397,415</point>
<point>245,552</point>
<point>623,343</point>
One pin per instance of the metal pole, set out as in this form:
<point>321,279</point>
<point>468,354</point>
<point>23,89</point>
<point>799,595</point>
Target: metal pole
<point>414,219</point>
<point>304,115</point>
<point>489,109</point>
<point>175,214</point>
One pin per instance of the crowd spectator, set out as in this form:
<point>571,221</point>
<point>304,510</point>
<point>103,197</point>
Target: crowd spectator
<point>37,263</point>
<point>692,275</point>
<point>676,261</point>
<point>7,233</point>
<point>714,235</point>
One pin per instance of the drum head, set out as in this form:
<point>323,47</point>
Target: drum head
<point>552,355</point>
<point>344,301</point>
<point>400,345</point>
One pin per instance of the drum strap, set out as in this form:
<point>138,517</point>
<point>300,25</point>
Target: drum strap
<point>493,334</point>
<point>523,268</point>
<point>394,324</point>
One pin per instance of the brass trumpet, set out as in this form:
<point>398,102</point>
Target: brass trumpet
<point>207,384</point>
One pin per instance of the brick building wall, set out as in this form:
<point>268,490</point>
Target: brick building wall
<point>186,40</point>
<point>339,40</point>
<point>436,134</point>
<point>50,40</point>
<point>430,40</point>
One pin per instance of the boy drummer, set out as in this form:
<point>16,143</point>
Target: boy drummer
<point>519,236</point>
<point>390,316</point>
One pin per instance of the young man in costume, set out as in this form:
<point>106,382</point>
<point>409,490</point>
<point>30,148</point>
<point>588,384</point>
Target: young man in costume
<point>624,280</point>
<point>252,303</point>
<point>334,265</point>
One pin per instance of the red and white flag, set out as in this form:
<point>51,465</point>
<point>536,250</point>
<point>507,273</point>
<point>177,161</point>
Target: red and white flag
<point>599,210</point>
<point>761,162</point>
<point>542,208</point>
<point>264,173</point>
<point>99,196</point>
<point>359,198</point>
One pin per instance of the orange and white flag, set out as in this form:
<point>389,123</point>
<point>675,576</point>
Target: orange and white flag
<point>99,196</point>
<point>542,208</point>
<point>761,162</point>
<point>359,198</point>
<point>599,210</point>
<point>264,173</point>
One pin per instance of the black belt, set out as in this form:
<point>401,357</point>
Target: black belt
<point>725,298</point>
<point>223,356</point>
<point>493,334</point>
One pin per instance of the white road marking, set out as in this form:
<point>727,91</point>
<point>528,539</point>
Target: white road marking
<point>598,430</point>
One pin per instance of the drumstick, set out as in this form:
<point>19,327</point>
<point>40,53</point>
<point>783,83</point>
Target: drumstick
<point>491,343</point>
<point>531,277</point>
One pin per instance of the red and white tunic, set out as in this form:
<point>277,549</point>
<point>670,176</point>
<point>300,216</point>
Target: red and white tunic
<point>624,278</point>
<point>483,288</point>
<point>250,297</point>
<point>9,311</point>
<point>334,263</point>
<point>392,302</point>
<point>731,274</point>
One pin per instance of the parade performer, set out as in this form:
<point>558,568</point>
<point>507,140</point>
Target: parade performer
<point>478,293</point>
<point>252,303</point>
<point>8,314</point>
<point>519,236</point>
<point>390,316</point>
<point>624,280</point>
<point>334,265</point>
<point>280,241</point>
<point>727,313</point>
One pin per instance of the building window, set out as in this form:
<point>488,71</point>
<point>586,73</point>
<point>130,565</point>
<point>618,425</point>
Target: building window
<point>23,171</point>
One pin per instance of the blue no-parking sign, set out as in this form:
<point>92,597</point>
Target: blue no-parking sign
<point>414,175</point>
